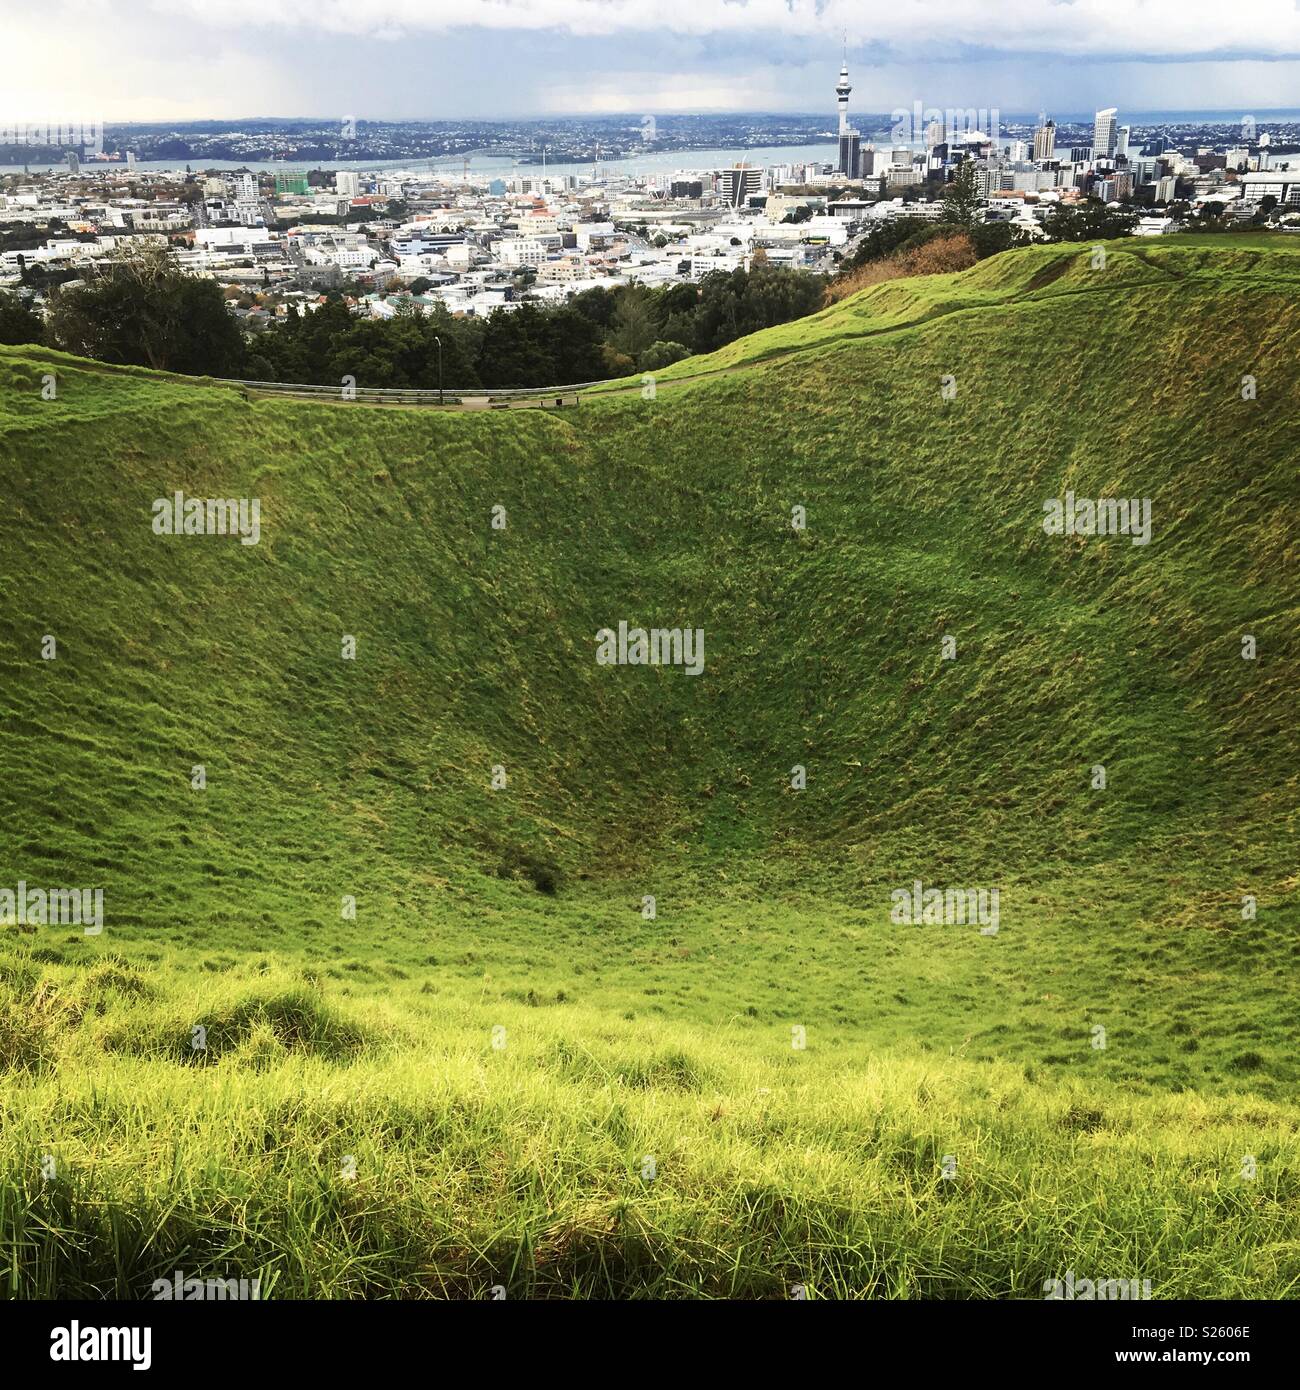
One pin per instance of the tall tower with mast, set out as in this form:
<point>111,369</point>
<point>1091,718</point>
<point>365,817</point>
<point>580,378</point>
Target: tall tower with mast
<point>850,142</point>
<point>842,90</point>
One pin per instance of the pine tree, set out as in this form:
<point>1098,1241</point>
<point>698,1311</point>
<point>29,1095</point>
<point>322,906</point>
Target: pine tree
<point>961,201</point>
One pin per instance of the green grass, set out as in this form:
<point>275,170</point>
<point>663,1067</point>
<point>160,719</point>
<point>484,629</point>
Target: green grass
<point>1036,273</point>
<point>520,909</point>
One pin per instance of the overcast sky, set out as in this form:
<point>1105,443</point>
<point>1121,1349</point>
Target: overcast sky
<point>402,59</point>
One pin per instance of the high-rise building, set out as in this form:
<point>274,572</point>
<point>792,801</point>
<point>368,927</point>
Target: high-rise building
<point>739,182</point>
<point>130,159</point>
<point>1045,141</point>
<point>1105,134</point>
<point>74,163</point>
<point>1121,141</point>
<point>347,183</point>
<point>850,141</point>
<point>1114,187</point>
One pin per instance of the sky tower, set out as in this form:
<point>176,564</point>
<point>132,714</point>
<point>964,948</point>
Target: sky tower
<point>850,143</point>
<point>842,90</point>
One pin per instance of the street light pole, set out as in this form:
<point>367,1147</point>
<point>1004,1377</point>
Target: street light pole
<point>438,340</point>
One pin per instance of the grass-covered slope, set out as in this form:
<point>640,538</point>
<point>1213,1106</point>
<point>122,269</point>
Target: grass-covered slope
<point>1038,272</point>
<point>520,908</point>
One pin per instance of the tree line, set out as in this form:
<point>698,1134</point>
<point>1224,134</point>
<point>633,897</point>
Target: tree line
<point>139,309</point>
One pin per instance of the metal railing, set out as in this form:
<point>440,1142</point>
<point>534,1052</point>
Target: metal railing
<point>482,397</point>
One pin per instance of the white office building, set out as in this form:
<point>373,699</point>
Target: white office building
<point>1105,134</point>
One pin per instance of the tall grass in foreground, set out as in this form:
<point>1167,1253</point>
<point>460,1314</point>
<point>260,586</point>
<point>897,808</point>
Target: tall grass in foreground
<point>524,1167</point>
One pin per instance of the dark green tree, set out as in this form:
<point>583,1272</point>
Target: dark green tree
<point>139,309</point>
<point>961,200</point>
<point>598,305</point>
<point>18,322</point>
<point>885,238</point>
<point>1090,221</point>
<point>990,238</point>
<point>741,302</point>
<point>636,322</point>
<point>515,350</point>
<point>660,355</point>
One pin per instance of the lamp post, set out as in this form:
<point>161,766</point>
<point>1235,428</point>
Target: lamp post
<point>438,340</point>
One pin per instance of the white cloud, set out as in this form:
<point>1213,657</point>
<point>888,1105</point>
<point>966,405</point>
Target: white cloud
<point>634,91</point>
<point>102,70</point>
<point>191,59</point>
<point>1146,28</point>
